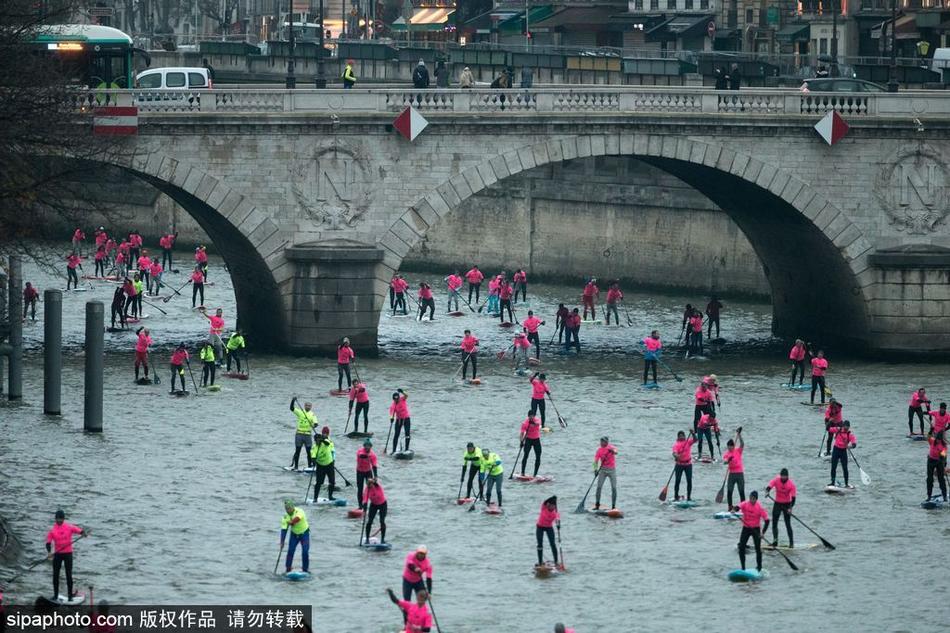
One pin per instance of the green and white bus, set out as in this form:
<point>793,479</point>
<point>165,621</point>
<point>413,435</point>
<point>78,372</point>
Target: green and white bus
<point>90,55</point>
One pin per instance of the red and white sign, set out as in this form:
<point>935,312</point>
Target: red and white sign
<point>115,121</point>
<point>832,128</point>
<point>410,123</point>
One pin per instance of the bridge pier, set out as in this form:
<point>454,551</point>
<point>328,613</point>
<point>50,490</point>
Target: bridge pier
<point>333,295</point>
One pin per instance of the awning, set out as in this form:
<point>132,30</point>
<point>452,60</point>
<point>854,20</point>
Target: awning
<point>426,19</point>
<point>906,28</point>
<point>794,33</point>
<point>726,34</point>
<point>514,23</point>
<point>679,26</point>
<point>579,17</point>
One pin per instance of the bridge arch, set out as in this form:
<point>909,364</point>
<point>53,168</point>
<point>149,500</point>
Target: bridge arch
<point>251,244</point>
<point>813,256</point>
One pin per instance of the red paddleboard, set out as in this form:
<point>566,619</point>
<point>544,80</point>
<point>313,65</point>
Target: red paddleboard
<point>541,479</point>
<point>547,570</point>
<point>338,392</point>
<point>505,324</point>
<point>533,361</point>
<point>610,514</point>
<point>475,381</point>
<point>464,500</point>
<point>456,314</point>
<point>234,374</point>
<point>492,509</point>
<point>355,513</point>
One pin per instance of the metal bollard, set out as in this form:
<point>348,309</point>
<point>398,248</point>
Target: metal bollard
<point>95,343</point>
<point>52,352</point>
<point>15,304</point>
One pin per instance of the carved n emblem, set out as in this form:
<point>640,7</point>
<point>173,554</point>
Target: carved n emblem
<point>913,191</point>
<point>333,187</point>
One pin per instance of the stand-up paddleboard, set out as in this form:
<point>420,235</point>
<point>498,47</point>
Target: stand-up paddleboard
<point>706,459</point>
<point>546,570</point>
<point>410,454</point>
<point>143,381</point>
<point>747,575</point>
<point>826,457</point>
<point>374,545</point>
<point>493,508</point>
<point>464,500</point>
<point>533,361</point>
<point>727,516</point>
<point>814,404</point>
<point>613,513</point>
<point>358,434</point>
<point>540,479</point>
<point>474,382</point>
<point>178,394</point>
<point>934,503</point>
<point>786,548</point>
<point>339,392</point>
<point>794,387</point>
<point>323,501</point>
<point>916,437</point>
<point>505,324</point>
<point>291,469</point>
<point>355,513</point>
<point>106,278</point>
<point>718,341</point>
<point>697,357</point>
<point>213,388</point>
<point>522,372</point>
<point>116,330</point>
<point>398,315</point>
<point>839,490</point>
<point>651,385</point>
<point>75,290</point>
<point>684,504</point>
<point>297,575</point>
<point>236,375</point>
<point>78,598</point>
<point>456,313</point>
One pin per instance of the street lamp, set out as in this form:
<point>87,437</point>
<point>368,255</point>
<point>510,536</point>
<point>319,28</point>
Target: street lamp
<point>291,81</point>
<point>320,81</point>
<point>834,34</point>
<point>892,74</point>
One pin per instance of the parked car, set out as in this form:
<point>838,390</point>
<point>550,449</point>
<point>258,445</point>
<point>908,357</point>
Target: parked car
<point>174,78</point>
<point>840,84</point>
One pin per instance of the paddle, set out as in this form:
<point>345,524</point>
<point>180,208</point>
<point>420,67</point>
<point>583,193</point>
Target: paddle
<point>559,548</point>
<point>187,362</point>
<point>306,495</point>
<point>580,506</point>
<point>515,463</point>
<point>821,442</point>
<point>280,555</point>
<point>155,306</point>
<point>501,355</point>
<point>461,365</point>
<point>560,420</point>
<point>864,476</point>
<point>461,480</point>
<point>148,357</point>
<point>669,369</point>
<point>466,302</point>
<point>345,480</point>
<point>432,607</point>
<point>718,445</point>
<point>349,414</point>
<point>168,298</point>
<point>787,559</point>
<point>481,492</point>
<point>722,488</point>
<point>482,307</point>
<point>807,527</point>
<point>363,522</point>
<point>388,435</point>
<point>627,312</point>
<point>666,488</point>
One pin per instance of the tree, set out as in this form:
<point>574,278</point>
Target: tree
<point>224,12</point>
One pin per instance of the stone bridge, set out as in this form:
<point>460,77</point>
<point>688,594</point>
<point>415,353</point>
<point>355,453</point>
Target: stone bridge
<point>314,199</point>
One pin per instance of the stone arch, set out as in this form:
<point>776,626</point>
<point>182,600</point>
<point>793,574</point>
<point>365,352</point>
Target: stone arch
<point>251,244</point>
<point>809,248</point>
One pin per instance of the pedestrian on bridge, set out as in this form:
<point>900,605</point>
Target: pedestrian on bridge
<point>420,76</point>
<point>348,76</point>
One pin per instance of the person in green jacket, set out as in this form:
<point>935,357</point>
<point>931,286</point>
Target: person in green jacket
<point>235,348</point>
<point>324,456</point>
<point>206,354</point>
<point>472,459</point>
<point>492,471</point>
<point>306,422</point>
<point>348,76</point>
<point>295,520</point>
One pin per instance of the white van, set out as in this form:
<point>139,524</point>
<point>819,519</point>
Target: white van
<point>941,63</point>
<point>174,78</point>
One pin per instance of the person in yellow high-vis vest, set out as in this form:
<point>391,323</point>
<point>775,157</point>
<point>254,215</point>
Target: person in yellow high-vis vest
<point>348,77</point>
<point>206,354</point>
<point>324,456</point>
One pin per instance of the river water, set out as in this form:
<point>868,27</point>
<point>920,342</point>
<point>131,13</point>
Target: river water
<point>183,495</point>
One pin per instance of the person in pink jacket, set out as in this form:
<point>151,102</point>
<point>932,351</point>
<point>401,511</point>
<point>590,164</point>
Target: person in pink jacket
<point>417,568</point>
<point>453,284</point>
<point>141,351</point>
<point>547,519</point>
<point>683,458</point>
<point>819,365</point>
<point>797,356</point>
<point>530,435</point>
<point>783,503</point>
<point>344,356</point>
<point>939,419</point>
<point>360,396</point>
<point>60,536</point>
<point>605,464</point>
<point>520,278</point>
<point>426,302</point>
<point>399,411</point>
<point>531,325</point>
<point>469,348</point>
<point>397,289</point>
<point>416,615</point>
<point>752,516</point>
<point>474,278</point>
<point>73,261</point>
<point>367,467</point>
<point>179,359</point>
<point>918,401</point>
<point>539,389</point>
<point>844,440</point>
<point>374,498</point>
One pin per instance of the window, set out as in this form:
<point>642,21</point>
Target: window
<point>749,16</point>
<point>175,80</point>
<point>638,5</point>
<point>196,80</point>
<point>654,5</point>
<point>823,46</point>
<point>689,5</point>
<point>151,81</point>
<point>671,5</point>
<point>703,4</point>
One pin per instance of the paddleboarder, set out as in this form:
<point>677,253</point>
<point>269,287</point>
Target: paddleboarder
<point>59,549</point>
<point>324,458</point>
<point>653,347</point>
<point>179,357</point>
<point>469,354</point>
<point>201,259</point>
<point>78,238</point>
<point>531,325</point>
<point>73,261</point>
<point>306,423</point>
<point>295,520</point>
<point>416,614</point>
<point>614,296</point>
<point>605,465</point>
<point>844,439</point>
<point>399,411</point>
<point>426,301</point>
<point>493,285</point>
<point>530,437</point>
<point>707,425</point>
<point>491,474</point>
<point>139,286</point>
<point>375,499</point>
<point>360,395</point>
<point>797,356</point>
<point>135,245</point>
<point>832,418</point>
<point>519,352</point>
<point>30,296</point>
<point>539,389</point>
<point>939,419</point>
<point>472,459</point>
<point>398,286</point>
<point>936,463</point>
<point>753,514</point>
<point>548,517</point>
<point>216,330</point>
<point>417,565</point>
<point>453,284</point>
<point>918,400</point>
<point>683,458</point>
<point>344,356</point>
<point>819,365</point>
<point>100,259</point>
<point>474,278</point>
<point>560,321</point>
<point>736,476</point>
<point>167,243</point>
<point>521,285</point>
<point>703,399</point>
<point>367,468</point>
<point>118,307</point>
<point>235,348</point>
<point>712,314</point>
<point>208,366</point>
<point>141,351</point>
<point>504,295</point>
<point>573,330</point>
<point>695,334</point>
<point>589,298</point>
<point>782,504</point>
<point>155,272</point>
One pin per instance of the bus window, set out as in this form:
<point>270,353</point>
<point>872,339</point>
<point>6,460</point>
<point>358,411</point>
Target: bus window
<point>196,80</point>
<point>175,80</point>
